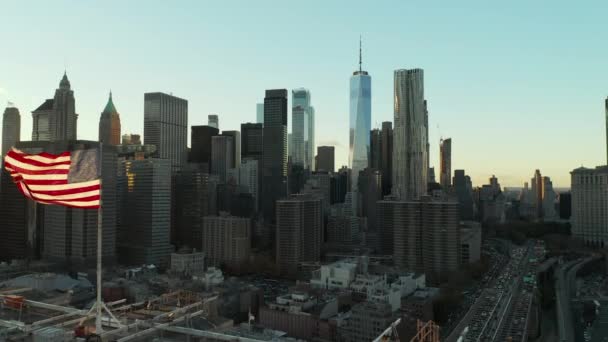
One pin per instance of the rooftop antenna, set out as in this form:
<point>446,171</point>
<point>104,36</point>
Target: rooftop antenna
<point>360,54</point>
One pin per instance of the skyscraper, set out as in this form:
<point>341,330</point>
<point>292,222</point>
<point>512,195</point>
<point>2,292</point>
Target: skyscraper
<point>144,232</point>
<point>11,129</point>
<point>589,205</point>
<point>360,121</point>
<point>463,188</point>
<point>299,231</point>
<point>381,156</point>
<point>303,129</point>
<point>221,156</point>
<point>200,144</point>
<point>248,174</point>
<point>606,109</point>
<point>213,121</point>
<point>274,165</point>
<point>166,126</point>
<point>235,162</point>
<point>252,140</point>
<point>325,158</point>
<point>195,198</point>
<point>259,113</point>
<point>424,234</point>
<point>410,145</point>
<point>56,118</point>
<point>109,124</point>
<point>375,149</point>
<point>445,162</point>
<point>537,193</point>
<point>370,189</point>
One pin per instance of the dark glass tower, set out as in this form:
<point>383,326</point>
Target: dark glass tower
<point>200,144</point>
<point>274,169</point>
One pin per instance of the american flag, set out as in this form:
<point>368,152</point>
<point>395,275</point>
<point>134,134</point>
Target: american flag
<point>69,179</point>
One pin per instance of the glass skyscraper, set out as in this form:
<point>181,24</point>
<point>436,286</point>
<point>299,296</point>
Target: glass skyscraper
<point>360,121</point>
<point>302,129</point>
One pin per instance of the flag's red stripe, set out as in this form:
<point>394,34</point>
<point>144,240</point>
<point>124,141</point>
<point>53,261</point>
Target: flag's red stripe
<point>68,191</point>
<point>82,199</point>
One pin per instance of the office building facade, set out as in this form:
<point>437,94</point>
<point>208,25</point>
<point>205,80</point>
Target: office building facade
<point>424,234</point>
<point>226,240</point>
<point>445,162</point>
<point>274,164</point>
<point>299,232</point>
<point>589,217</point>
<point>200,144</point>
<point>325,160</point>
<point>145,223</point>
<point>221,156</point>
<point>11,129</point>
<point>235,162</point>
<point>195,198</point>
<point>259,113</point>
<point>213,120</point>
<point>166,126</point>
<point>410,144</point>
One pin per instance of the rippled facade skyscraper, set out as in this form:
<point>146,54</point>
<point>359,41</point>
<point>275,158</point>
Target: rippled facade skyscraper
<point>360,121</point>
<point>410,136</point>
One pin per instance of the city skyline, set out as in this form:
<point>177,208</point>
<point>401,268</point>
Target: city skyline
<point>476,80</point>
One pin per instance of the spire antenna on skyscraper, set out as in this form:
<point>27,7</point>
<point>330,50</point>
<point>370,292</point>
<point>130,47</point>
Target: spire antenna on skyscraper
<point>360,55</point>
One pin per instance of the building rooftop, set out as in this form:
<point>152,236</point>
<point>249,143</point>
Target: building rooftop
<point>46,105</point>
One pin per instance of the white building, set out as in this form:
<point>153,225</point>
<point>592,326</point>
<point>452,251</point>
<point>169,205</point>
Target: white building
<point>409,283</point>
<point>188,263</point>
<point>339,274</point>
<point>212,277</point>
<point>590,205</point>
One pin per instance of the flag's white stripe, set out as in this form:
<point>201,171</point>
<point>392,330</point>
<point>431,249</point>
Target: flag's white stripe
<point>57,187</point>
<point>45,177</point>
<point>12,161</point>
<point>74,203</point>
<point>48,160</point>
<point>41,158</point>
<point>66,197</point>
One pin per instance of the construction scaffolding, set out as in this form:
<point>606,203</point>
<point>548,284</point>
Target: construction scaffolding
<point>20,317</point>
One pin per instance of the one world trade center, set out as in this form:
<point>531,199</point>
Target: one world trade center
<point>360,121</point>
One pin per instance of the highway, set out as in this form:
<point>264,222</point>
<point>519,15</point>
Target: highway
<point>564,287</point>
<point>488,312</point>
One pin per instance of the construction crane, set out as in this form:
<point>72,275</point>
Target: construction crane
<point>425,332</point>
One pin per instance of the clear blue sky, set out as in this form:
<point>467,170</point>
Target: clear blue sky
<point>518,85</point>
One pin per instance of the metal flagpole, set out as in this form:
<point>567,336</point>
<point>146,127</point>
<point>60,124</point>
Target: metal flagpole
<point>98,304</point>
